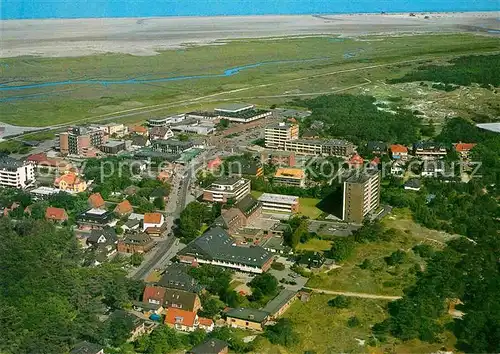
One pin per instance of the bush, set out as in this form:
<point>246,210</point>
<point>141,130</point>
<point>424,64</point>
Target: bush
<point>396,257</point>
<point>340,302</point>
<point>281,333</point>
<point>278,266</point>
<point>353,322</point>
<point>366,264</point>
<point>136,259</point>
<point>424,251</point>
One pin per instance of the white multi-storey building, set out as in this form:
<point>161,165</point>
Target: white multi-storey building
<point>15,173</point>
<point>226,189</point>
<point>277,135</point>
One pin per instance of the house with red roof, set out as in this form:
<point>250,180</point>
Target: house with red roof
<point>96,201</point>
<point>356,161</point>
<point>153,223</point>
<point>215,163</point>
<point>181,320</point>
<point>206,324</point>
<point>124,208</point>
<point>399,152</point>
<point>154,295</point>
<point>463,149</point>
<point>56,214</point>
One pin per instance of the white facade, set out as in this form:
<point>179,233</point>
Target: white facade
<point>278,202</point>
<point>16,174</point>
<point>276,136</point>
<point>238,266</point>
<point>219,192</point>
<point>147,225</point>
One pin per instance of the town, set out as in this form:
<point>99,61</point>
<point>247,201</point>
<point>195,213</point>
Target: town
<point>211,212</point>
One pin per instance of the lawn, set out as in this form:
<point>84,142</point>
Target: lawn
<point>284,67</point>
<point>308,207</point>
<point>315,244</point>
<point>380,278</point>
<point>323,329</point>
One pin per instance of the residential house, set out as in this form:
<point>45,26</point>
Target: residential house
<point>356,161</point>
<point>123,208</point>
<point>429,150</point>
<point>399,152</point>
<point>433,168</point>
<point>132,225</point>
<point>139,141</point>
<point>136,243</point>
<point>154,295</point>
<point>311,259</point>
<point>103,244</point>
<point>96,201</point>
<point>163,176</point>
<point>153,220</point>
<point>137,326</point>
<point>214,164</point>
<point>7,210</point>
<point>464,149</point>
<point>398,168</point>
<point>413,184</point>
<point>206,324</point>
<point>153,224</point>
<point>87,348</point>
<point>376,147</point>
<point>182,320</point>
<point>139,130</point>
<point>278,306</point>
<point>210,346</point>
<point>56,214</point>
<point>247,318</point>
<point>216,247</point>
<point>181,299</point>
<point>164,133</point>
<point>70,182</point>
<point>176,277</point>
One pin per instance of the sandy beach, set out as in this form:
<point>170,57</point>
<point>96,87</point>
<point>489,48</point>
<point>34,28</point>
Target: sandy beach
<point>147,36</point>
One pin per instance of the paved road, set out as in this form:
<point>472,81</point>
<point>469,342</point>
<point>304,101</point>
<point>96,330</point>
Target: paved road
<point>351,294</point>
<point>333,228</point>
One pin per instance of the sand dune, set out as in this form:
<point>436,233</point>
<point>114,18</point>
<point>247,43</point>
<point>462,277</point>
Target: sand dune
<point>147,36</point>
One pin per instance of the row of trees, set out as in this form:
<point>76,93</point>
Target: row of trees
<point>194,216</point>
<point>480,69</point>
<point>358,119</point>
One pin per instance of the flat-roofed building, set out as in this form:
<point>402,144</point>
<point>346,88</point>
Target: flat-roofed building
<point>241,113</point>
<point>113,147</point>
<point>166,121</point>
<point>247,318</point>
<point>171,146</point>
<point>227,189</point>
<point>290,176</point>
<point>333,147</point>
<point>81,140</point>
<point>280,202</point>
<point>361,195</point>
<point>277,135</point>
<point>15,173</point>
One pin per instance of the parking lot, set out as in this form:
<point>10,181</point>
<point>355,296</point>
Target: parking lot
<point>332,228</point>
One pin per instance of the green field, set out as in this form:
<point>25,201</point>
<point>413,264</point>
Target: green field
<point>379,278</point>
<point>288,68</point>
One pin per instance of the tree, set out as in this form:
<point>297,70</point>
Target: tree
<point>118,327</point>
<point>342,248</point>
<point>340,302</point>
<point>396,257</point>
<point>136,259</point>
<point>353,322</point>
<point>281,333</point>
<point>159,203</point>
<point>211,306</point>
<point>265,282</point>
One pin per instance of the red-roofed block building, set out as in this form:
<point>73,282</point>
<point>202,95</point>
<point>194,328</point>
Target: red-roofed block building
<point>56,214</point>
<point>153,221</point>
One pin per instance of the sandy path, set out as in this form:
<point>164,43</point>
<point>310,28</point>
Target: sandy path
<point>351,294</point>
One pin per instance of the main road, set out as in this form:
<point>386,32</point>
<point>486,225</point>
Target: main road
<point>166,249</point>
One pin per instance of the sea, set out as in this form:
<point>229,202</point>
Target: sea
<point>43,9</point>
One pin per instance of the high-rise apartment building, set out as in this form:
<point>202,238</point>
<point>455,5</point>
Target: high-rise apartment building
<point>15,173</point>
<point>361,195</point>
<point>79,140</point>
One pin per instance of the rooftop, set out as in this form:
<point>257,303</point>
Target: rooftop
<point>492,127</point>
<point>278,198</point>
<point>248,314</point>
<point>8,163</point>
<point>211,346</point>
<point>360,176</point>
<point>279,301</point>
<point>226,181</point>
<point>217,244</point>
<point>113,143</point>
<point>290,173</point>
<point>281,125</point>
<point>234,107</point>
